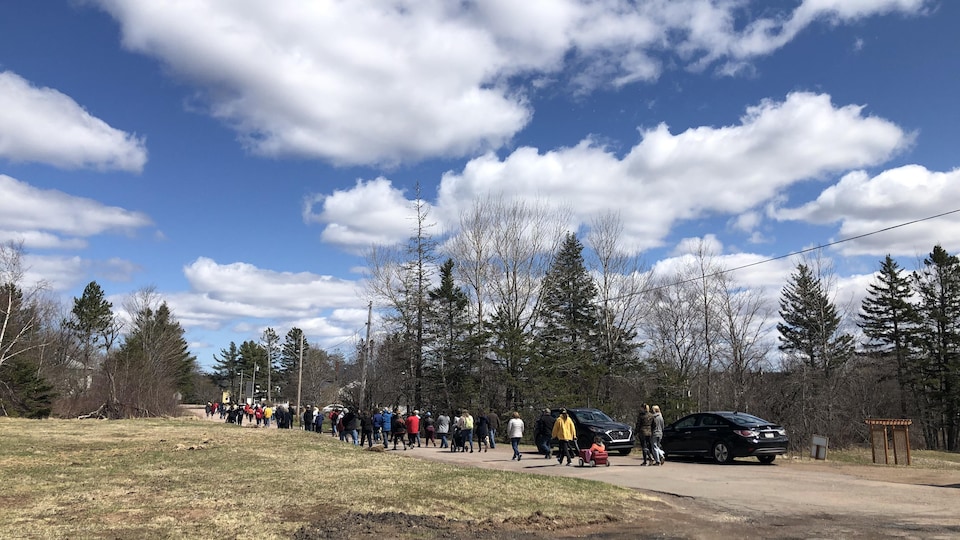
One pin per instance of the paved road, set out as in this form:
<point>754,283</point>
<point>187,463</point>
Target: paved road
<point>758,492</point>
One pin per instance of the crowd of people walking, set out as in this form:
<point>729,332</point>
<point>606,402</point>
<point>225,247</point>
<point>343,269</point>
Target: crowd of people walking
<point>459,431</point>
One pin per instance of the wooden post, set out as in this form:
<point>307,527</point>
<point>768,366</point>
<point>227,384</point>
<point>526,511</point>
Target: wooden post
<point>880,437</point>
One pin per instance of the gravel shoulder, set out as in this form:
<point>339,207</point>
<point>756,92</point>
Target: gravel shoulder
<point>798,499</point>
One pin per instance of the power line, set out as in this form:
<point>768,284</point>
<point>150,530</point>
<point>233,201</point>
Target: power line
<point>800,252</point>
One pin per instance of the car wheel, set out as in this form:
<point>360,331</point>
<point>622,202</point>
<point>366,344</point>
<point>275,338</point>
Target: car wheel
<point>625,451</point>
<point>593,463</point>
<point>721,452</point>
<point>766,460</point>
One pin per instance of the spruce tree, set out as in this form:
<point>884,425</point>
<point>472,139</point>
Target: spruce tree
<point>811,325</point>
<point>253,358</point>
<point>225,368</point>
<point>288,370</point>
<point>889,320</point>
<point>568,333</point>
<point>938,371</point>
<point>446,339</point>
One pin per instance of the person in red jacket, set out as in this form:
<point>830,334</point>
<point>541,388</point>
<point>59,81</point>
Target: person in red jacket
<point>413,429</point>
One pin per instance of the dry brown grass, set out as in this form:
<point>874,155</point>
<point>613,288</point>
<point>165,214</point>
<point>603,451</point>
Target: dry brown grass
<point>189,478</point>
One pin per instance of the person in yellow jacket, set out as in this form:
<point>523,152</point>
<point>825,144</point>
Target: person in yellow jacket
<point>565,433</point>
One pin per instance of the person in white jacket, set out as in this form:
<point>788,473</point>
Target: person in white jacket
<point>515,433</point>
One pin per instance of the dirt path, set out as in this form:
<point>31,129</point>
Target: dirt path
<point>796,499</point>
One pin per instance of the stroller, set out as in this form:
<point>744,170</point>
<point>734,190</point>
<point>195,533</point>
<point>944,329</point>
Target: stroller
<point>458,443</point>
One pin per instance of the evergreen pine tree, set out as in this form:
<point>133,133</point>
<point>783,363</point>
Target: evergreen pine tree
<point>226,369</point>
<point>938,371</point>
<point>889,319</point>
<point>811,326</point>
<point>568,332</point>
<point>288,369</point>
<point>446,339</point>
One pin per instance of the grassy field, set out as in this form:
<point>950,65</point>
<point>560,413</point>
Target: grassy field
<point>189,478</point>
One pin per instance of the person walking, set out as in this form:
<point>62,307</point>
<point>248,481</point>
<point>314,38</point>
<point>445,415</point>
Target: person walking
<point>429,429</point>
<point>366,429</point>
<point>645,434</point>
<point>657,435</point>
<point>515,433</point>
<point>398,429</point>
<point>387,426</point>
<point>481,432</point>
<point>541,432</point>
<point>443,429</point>
<point>377,425</point>
<point>413,429</point>
<point>466,426</point>
<point>493,425</point>
<point>566,434</point>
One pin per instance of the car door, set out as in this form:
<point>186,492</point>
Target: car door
<point>708,430</point>
<point>676,437</point>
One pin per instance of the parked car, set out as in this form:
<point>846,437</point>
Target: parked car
<point>617,436</point>
<point>723,436</point>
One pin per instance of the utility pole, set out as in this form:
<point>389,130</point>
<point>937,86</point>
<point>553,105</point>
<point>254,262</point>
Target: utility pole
<point>269,365</point>
<point>253,381</point>
<point>367,351</point>
<point>300,381</point>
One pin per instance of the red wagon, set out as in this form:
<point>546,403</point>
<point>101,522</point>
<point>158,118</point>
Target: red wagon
<point>593,458</point>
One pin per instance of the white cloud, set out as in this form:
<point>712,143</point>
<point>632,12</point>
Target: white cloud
<point>63,273</point>
<point>54,219</point>
<point>664,179</point>
<point>248,299</point>
<point>372,213</point>
<point>42,125</point>
<point>864,205</point>
<point>263,293</point>
<point>399,81</point>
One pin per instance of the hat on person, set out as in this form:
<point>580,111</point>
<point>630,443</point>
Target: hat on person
<point>428,414</point>
<point>546,410</point>
<point>563,411</point>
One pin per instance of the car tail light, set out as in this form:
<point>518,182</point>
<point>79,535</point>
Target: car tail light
<point>748,433</point>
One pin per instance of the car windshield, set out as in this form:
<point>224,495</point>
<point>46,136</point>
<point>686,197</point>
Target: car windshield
<point>745,419</point>
<point>592,416</point>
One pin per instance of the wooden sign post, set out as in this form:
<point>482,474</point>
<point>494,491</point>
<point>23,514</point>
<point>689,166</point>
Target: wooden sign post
<point>880,439</point>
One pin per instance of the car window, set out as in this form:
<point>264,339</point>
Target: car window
<point>745,419</point>
<point>710,421</point>
<point>687,422</point>
<point>584,416</point>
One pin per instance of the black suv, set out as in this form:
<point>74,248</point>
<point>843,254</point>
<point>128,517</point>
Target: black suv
<point>617,436</point>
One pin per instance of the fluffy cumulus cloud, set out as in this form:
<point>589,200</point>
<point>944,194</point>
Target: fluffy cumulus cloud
<point>702,171</point>
<point>863,204</point>
<point>372,213</point>
<point>54,219</point>
<point>244,296</point>
<point>286,293</point>
<point>401,80</point>
<point>43,125</point>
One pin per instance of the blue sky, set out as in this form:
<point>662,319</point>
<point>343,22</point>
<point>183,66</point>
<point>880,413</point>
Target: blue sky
<point>241,156</point>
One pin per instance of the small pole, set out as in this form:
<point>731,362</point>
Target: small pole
<point>300,381</point>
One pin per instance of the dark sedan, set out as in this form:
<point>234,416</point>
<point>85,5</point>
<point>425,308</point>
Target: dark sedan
<point>725,435</point>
